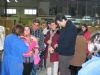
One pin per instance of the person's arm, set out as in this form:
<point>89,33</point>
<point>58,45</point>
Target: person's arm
<point>21,45</point>
<point>31,52</point>
<point>33,47</point>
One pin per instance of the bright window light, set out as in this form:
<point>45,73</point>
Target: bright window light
<point>30,11</point>
<point>25,11</point>
<point>8,1</point>
<point>16,1</point>
<point>34,11</point>
<point>11,11</point>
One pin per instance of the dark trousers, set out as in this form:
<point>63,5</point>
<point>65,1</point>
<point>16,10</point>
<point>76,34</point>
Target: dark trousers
<point>74,69</point>
<point>27,68</point>
<point>43,60</point>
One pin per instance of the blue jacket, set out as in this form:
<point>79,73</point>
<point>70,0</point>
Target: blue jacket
<point>14,47</point>
<point>91,67</point>
<point>67,39</point>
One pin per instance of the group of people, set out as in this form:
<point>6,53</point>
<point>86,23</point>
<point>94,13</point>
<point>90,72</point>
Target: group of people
<point>63,48</point>
<point>21,50</point>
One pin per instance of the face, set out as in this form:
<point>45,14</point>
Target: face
<point>94,43</point>
<point>90,47</point>
<point>43,26</point>
<point>53,26</point>
<point>35,25</point>
<point>83,28</point>
<point>61,23</point>
<point>26,31</point>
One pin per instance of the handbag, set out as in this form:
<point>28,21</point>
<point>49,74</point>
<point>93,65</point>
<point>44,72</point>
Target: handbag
<point>36,59</point>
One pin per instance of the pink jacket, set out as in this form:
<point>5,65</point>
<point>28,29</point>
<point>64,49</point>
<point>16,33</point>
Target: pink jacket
<point>32,45</point>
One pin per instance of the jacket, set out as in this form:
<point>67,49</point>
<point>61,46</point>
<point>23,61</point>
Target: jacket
<point>80,52</point>
<point>54,56</point>
<point>91,67</point>
<point>67,38</point>
<point>87,38</point>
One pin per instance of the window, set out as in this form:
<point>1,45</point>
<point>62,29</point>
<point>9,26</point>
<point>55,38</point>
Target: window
<point>11,11</point>
<point>30,11</point>
<point>16,0</point>
<point>10,1</point>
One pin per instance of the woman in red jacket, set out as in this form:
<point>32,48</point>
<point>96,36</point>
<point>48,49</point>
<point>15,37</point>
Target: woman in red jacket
<point>51,55</point>
<point>86,35</point>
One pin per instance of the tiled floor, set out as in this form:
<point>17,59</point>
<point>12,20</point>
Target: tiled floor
<point>41,72</point>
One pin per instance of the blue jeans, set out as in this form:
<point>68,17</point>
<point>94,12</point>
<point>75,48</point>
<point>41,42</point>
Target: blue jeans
<point>34,70</point>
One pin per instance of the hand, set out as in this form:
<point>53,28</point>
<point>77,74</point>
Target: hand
<point>51,50</point>
<point>33,50</point>
<point>22,36</point>
<point>36,51</point>
<point>56,45</point>
<point>29,53</point>
<point>49,41</point>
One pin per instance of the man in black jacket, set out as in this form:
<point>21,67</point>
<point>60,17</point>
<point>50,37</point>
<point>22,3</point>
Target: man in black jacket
<point>66,43</point>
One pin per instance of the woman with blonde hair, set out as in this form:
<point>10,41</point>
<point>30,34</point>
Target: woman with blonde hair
<point>32,44</point>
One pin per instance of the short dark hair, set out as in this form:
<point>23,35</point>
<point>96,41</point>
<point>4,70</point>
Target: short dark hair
<point>60,17</point>
<point>52,21</point>
<point>36,21</point>
<point>18,29</point>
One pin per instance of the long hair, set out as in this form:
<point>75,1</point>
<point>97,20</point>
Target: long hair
<point>84,25</point>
